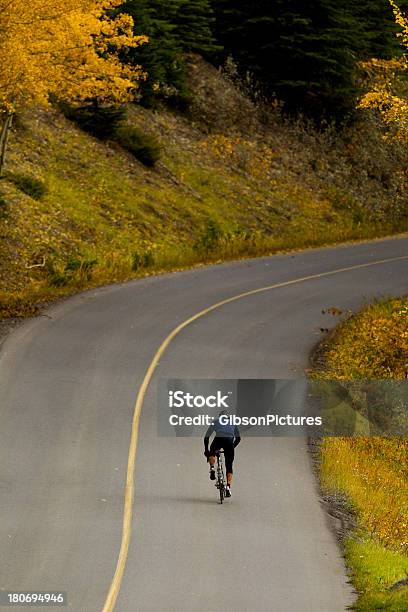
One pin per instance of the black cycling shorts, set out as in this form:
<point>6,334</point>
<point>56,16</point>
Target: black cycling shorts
<point>227,445</point>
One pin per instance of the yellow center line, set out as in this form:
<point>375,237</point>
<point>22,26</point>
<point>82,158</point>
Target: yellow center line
<point>130,476</point>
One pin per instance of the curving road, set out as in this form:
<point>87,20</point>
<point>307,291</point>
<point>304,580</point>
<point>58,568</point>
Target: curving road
<point>68,384</point>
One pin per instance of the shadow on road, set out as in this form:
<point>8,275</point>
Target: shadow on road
<point>163,499</point>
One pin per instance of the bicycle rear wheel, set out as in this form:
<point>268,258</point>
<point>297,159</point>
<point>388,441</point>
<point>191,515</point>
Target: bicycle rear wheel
<point>220,478</point>
<point>222,491</point>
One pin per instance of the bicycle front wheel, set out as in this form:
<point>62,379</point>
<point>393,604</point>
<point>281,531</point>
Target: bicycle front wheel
<point>221,485</point>
<point>222,492</point>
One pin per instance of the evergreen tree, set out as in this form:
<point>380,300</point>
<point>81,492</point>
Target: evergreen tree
<point>195,21</point>
<point>300,51</point>
<point>161,58</point>
<point>173,27</point>
<point>378,28</point>
<point>306,53</point>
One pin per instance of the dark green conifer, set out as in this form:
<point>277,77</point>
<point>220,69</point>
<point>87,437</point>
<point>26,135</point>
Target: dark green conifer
<point>306,53</point>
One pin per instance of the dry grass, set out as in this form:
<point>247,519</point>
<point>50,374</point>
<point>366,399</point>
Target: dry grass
<point>372,472</point>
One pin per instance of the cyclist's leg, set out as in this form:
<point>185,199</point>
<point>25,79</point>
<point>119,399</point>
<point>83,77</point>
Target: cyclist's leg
<point>229,453</point>
<point>215,446</point>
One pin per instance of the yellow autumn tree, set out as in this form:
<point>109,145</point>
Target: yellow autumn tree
<point>69,48</point>
<point>385,77</point>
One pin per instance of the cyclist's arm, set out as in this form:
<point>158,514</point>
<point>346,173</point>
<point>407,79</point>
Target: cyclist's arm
<point>207,436</point>
<point>237,437</point>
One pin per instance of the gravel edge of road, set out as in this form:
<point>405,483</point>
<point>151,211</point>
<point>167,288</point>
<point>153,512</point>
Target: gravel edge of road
<point>7,326</point>
<point>341,520</point>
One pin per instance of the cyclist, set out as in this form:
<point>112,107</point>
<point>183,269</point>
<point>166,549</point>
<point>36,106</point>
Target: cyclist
<point>227,437</point>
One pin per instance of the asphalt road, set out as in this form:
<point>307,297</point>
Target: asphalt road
<point>68,383</point>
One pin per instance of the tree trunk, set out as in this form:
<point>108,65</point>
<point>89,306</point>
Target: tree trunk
<point>4,135</point>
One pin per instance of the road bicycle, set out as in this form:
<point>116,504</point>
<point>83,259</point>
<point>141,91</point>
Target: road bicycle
<point>220,482</point>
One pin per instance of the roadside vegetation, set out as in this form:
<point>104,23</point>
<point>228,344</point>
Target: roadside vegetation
<point>369,475</point>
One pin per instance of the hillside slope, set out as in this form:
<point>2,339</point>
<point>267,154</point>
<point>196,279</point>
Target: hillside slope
<point>233,180</point>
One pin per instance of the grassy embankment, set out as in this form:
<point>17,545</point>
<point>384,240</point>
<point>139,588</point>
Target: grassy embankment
<point>372,473</point>
<point>231,182</point>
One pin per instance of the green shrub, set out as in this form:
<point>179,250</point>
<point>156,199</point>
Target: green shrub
<point>99,121</point>
<point>58,279</point>
<point>142,260</point>
<point>107,122</point>
<point>211,237</point>
<point>30,185</point>
<point>74,267</point>
<point>344,202</point>
<point>3,202</point>
<point>83,266</point>
<point>144,147</point>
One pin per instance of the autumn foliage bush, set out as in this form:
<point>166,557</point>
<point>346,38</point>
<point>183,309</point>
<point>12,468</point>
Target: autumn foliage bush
<point>69,48</point>
<point>387,92</point>
<point>379,337</point>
